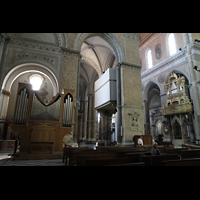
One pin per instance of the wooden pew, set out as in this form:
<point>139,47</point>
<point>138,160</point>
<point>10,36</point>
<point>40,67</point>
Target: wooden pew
<point>122,154</point>
<point>135,157</point>
<point>113,151</point>
<point>190,154</point>
<point>67,149</point>
<point>182,162</point>
<point>190,146</point>
<point>75,154</point>
<point>155,160</point>
<point>104,148</point>
<point>102,162</point>
<point>174,150</point>
<point>81,160</point>
<point>129,164</point>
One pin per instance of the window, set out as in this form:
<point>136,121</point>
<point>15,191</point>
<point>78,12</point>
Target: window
<point>171,44</point>
<point>36,81</point>
<point>149,59</point>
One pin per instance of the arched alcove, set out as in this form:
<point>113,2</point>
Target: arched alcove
<point>21,73</point>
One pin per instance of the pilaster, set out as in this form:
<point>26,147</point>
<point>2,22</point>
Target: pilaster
<point>132,105</point>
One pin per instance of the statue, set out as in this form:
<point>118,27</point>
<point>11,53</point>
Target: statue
<point>68,140</point>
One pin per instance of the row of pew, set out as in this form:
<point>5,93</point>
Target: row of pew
<point>129,156</point>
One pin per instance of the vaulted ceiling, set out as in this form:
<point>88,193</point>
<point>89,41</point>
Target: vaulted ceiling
<point>97,56</point>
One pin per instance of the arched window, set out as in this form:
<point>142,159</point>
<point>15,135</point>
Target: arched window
<point>36,81</point>
<point>171,44</point>
<point>149,59</point>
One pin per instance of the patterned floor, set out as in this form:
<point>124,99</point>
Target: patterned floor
<point>44,162</point>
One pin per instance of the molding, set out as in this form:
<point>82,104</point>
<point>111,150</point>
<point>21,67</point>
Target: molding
<point>168,63</point>
<point>128,65</point>
<point>36,46</point>
<point>133,36</point>
<point>70,52</point>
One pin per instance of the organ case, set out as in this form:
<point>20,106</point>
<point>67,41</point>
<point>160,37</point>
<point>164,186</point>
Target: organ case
<point>39,122</point>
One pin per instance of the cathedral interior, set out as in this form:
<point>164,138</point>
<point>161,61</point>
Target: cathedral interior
<point>99,87</point>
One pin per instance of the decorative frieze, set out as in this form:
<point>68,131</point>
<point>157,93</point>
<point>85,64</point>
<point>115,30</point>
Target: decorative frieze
<point>34,56</point>
<point>132,66</point>
<point>133,36</point>
<point>36,46</point>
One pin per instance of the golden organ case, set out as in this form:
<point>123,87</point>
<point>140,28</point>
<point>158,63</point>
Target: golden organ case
<point>177,100</point>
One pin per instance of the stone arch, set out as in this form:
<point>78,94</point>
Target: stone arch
<point>17,71</point>
<point>147,87</point>
<point>24,68</point>
<point>178,71</point>
<point>109,37</point>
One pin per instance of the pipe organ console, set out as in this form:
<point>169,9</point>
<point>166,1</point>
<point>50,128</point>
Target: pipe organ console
<point>41,123</point>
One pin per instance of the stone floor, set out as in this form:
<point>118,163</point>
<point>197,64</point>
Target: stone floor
<point>6,159</point>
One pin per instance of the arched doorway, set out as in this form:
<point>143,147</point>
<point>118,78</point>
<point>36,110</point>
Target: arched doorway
<point>153,110</point>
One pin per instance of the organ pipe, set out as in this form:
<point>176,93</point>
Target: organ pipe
<point>39,110</point>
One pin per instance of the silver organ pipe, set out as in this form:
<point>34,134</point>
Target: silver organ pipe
<point>40,111</point>
<point>67,111</point>
<point>21,108</point>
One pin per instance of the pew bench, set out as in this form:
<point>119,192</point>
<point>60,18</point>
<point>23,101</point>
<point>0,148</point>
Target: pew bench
<point>102,162</point>
<point>155,160</point>
<point>182,162</point>
<point>75,154</point>
<point>81,160</point>
<point>190,154</point>
<point>174,150</point>
<point>122,154</point>
<point>129,164</point>
<point>136,156</point>
<point>67,149</point>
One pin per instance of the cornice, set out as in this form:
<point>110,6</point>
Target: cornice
<point>128,65</point>
<point>177,59</point>
<point>133,36</point>
<point>70,52</point>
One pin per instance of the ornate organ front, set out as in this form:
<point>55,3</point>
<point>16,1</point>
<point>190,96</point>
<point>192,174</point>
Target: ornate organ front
<point>38,121</point>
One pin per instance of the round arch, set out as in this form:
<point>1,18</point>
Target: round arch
<point>147,87</point>
<point>13,74</point>
<point>179,71</point>
<point>109,37</point>
<point>17,71</point>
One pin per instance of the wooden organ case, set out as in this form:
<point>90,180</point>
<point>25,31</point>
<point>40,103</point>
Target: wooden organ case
<point>42,125</point>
